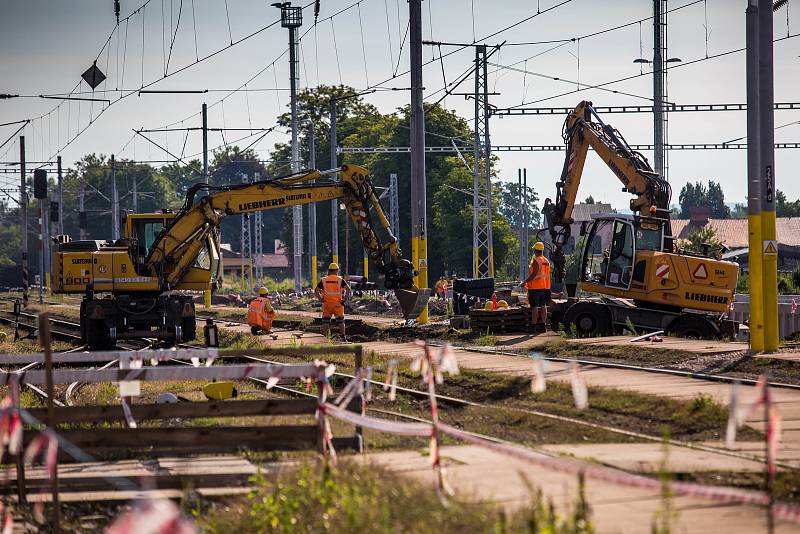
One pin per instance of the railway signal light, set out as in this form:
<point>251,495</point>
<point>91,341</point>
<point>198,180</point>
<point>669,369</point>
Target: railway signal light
<point>54,211</point>
<point>40,183</point>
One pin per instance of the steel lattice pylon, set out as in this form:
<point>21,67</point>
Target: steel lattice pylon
<point>246,244</point>
<point>482,245</point>
<point>258,249</point>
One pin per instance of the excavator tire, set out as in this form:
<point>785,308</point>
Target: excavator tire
<point>694,326</point>
<point>591,319</point>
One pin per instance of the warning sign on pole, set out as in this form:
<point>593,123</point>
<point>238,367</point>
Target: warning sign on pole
<point>770,247</point>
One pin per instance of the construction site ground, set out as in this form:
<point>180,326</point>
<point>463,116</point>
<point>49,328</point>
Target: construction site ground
<point>487,476</point>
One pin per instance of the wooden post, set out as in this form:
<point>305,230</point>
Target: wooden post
<point>21,486</point>
<point>322,446</point>
<point>358,360</point>
<point>44,341</point>
<point>770,480</point>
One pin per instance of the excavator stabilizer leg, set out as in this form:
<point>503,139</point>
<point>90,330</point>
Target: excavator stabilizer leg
<point>412,301</point>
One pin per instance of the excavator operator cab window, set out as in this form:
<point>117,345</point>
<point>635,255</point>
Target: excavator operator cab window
<point>648,235</point>
<point>621,255</point>
<point>596,252</point>
<point>145,231</point>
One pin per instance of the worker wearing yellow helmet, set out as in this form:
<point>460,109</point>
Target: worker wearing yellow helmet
<point>260,313</point>
<point>333,291</point>
<point>538,285</point>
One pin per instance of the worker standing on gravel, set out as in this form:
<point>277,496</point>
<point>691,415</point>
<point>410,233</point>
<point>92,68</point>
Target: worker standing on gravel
<point>538,285</point>
<point>333,291</point>
<point>260,313</point>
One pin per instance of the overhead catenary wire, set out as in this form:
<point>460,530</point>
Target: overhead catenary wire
<point>634,76</point>
<point>142,9</point>
<point>363,47</point>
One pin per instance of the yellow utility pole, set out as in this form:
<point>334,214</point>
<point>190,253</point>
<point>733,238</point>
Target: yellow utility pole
<point>769,247</point>
<point>755,258</point>
<point>419,219</point>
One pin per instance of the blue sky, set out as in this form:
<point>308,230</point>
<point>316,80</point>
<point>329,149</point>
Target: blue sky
<point>47,44</point>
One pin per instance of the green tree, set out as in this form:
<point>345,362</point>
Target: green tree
<point>10,239</point>
<point>589,200</point>
<point>702,237</point>
<point>509,206</point>
<point>360,124</point>
<point>154,192</point>
<point>784,208</point>
<point>697,195</point>
<point>739,211</point>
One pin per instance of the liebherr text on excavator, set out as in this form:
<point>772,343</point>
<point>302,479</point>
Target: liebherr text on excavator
<point>633,262</point>
<point>133,287</point>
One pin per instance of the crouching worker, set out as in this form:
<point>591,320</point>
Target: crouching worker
<point>260,313</point>
<point>333,291</point>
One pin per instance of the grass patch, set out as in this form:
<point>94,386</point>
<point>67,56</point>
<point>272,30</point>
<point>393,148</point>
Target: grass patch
<point>356,499</point>
<point>24,346</point>
<point>630,354</point>
<point>696,419</point>
<point>487,339</point>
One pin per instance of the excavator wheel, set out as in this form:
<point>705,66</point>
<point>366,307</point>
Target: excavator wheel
<point>694,326</point>
<point>591,319</point>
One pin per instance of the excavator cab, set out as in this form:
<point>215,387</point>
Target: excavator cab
<point>613,246</point>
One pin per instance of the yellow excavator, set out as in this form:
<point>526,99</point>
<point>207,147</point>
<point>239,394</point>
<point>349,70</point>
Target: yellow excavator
<point>133,287</point>
<point>632,263</point>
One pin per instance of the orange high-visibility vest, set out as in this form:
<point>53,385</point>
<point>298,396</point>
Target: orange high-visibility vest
<point>332,289</point>
<point>542,278</point>
<point>260,312</point>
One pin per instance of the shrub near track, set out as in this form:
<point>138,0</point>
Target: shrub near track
<point>357,498</point>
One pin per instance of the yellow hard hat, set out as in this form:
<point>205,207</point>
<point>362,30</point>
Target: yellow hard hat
<point>263,291</point>
<point>333,267</point>
<point>538,246</point>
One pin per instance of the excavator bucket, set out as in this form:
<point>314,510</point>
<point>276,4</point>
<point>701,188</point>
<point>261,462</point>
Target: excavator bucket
<point>412,301</point>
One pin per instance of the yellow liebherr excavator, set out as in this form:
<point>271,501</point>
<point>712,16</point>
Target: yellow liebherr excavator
<point>633,261</point>
<point>128,284</point>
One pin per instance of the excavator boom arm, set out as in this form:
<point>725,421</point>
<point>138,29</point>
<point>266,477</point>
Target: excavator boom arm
<point>179,243</point>
<point>580,133</point>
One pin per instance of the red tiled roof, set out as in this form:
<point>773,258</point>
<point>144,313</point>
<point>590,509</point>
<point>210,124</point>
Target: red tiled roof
<point>733,232</point>
<point>274,261</point>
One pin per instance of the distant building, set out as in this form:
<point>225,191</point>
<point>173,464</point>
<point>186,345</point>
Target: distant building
<point>733,233</point>
<point>275,265</point>
<point>583,213</point>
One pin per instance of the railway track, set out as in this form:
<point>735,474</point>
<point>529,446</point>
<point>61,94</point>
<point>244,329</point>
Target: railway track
<point>445,400</point>
<point>709,377</point>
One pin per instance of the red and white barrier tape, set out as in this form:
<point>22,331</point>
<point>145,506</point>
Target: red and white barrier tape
<point>381,425</point>
<point>566,465</point>
<point>220,372</point>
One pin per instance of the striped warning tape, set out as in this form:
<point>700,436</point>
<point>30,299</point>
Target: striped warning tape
<point>568,465</point>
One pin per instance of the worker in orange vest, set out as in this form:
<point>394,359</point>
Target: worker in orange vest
<point>333,291</point>
<point>260,313</point>
<point>538,285</point>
